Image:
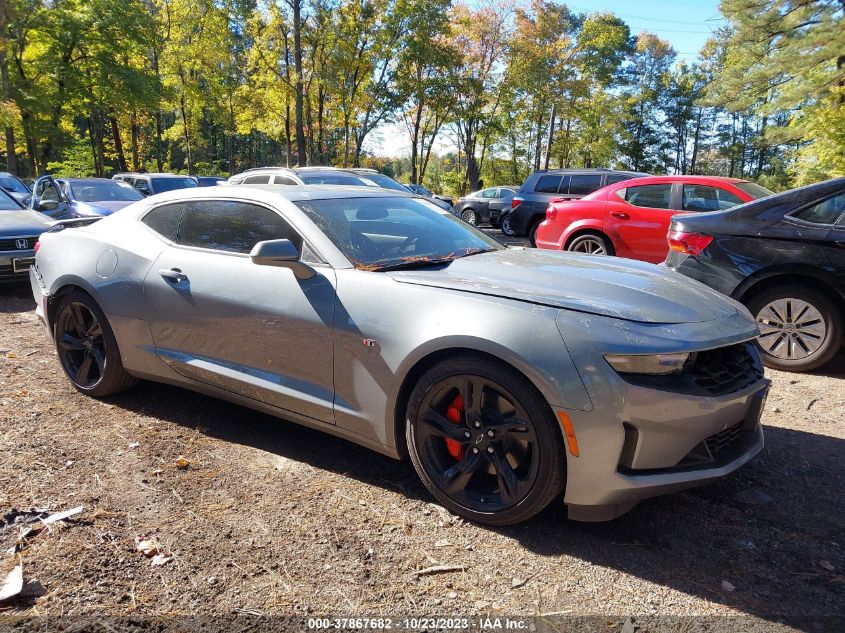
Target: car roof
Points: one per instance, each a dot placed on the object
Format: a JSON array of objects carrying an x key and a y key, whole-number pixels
[
  {"x": 153, "y": 175},
  {"x": 287, "y": 192},
  {"x": 700, "y": 180},
  {"x": 586, "y": 170}
]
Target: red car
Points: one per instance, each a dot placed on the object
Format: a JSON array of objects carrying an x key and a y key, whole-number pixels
[{"x": 631, "y": 218}]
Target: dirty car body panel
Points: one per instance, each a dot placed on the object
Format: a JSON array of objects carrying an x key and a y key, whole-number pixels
[{"x": 335, "y": 348}]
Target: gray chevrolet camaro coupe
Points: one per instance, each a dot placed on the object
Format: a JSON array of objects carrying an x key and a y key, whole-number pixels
[{"x": 355, "y": 311}]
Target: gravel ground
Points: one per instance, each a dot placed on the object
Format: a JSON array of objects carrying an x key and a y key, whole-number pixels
[{"x": 256, "y": 515}]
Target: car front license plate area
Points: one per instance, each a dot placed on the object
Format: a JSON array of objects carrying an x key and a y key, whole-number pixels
[{"x": 22, "y": 264}]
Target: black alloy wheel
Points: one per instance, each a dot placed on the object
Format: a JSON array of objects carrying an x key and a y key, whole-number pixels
[
  {"x": 487, "y": 452},
  {"x": 87, "y": 348}
]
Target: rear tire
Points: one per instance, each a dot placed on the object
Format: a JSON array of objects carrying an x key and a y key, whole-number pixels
[
  {"x": 506, "y": 228},
  {"x": 87, "y": 348},
  {"x": 484, "y": 442},
  {"x": 801, "y": 329},
  {"x": 532, "y": 234},
  {"x": 470, "y": 217},
  {"x": 590, "y": 243}
]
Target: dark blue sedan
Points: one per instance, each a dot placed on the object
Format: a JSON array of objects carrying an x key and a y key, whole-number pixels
[{"x": 62, "y": 198}]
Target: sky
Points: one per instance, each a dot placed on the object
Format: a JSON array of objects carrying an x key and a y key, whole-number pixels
[{"x": 685, "y": 24}]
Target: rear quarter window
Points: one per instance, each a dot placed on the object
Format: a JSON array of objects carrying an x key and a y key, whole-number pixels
[{"x": 165, "y": 220}]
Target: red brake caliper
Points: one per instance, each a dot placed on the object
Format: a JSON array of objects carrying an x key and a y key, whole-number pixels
[{"x": 455, "y": 414}]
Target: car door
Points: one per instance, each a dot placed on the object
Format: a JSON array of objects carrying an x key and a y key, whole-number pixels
[
  {"x": 47, "y": 197},
  {"x": 254, "y": 330},
  {"x": 501, "y": 202},
  {"x": 822, "y": 230},
  {"x": 638, "y": 220}
]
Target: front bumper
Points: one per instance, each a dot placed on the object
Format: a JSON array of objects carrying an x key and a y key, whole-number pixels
[
  {"x": 647, "y": 436},
  {"x": 715, "y": 438}
]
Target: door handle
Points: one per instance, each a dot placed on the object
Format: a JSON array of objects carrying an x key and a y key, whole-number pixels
[
  {"x": 173, "y": 275},
  {"x": 620, "y": 215}
]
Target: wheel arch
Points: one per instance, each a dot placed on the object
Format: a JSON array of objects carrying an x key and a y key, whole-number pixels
[
  {"x": 428, "y": 360},
  {"x": 63, "y": 286},
  {"x": 585, "y": 227},
  {"x": 805, "y": 276}
]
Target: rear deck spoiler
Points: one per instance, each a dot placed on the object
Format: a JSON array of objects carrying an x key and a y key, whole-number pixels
[{"x": 60, "y": 225}]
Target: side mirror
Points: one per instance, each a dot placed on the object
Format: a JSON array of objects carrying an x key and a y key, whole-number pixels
[
  {"x": 47, "y": 205},
  {"x": 281, "y": 253}
]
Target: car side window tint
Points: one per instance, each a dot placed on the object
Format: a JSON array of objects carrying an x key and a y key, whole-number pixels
[
  {"x": 707, "y": 198},
  {"x": 142, "y": 185},
  {"x": 826, "y": 212},
  {"x": 255, "y": 180},
  {"x": 612, "y": 179},
  {"x": 547, "y": 184},
  {"x": 233, "y": 226},
  {"x": 583, "y": 184},
  {"x": 488, "y": 193},
  {"x": 284, "y": 180},
  {"x": 649, "y": 196},
  {"x": 165, "y": 220}
]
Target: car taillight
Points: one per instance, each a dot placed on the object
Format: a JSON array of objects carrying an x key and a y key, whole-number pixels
[
  {"x": 688, "y": 243},
  {"x": 515, "y": 202},
  {"x": 37, "y": 246},
  {"x": 551, "y": 212}
]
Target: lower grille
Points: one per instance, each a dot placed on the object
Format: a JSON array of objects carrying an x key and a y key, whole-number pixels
[
  {"x": 17, "y": 243},
  {"x": 727, "y": 369},
  {"x": 724, "y": 439}
]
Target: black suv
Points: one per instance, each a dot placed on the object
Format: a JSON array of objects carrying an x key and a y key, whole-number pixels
[{"x": 528, "y": 207}]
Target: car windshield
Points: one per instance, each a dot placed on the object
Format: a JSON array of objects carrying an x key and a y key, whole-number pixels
[
  {"x": 7, "y": 203},
  {"x": 390, "y": 233},
  {"x": 103, "y": 191},
  {"x": 386, "y": 182},
  {"x": 336, "y": 179},
  {"x": 160, "y": 185},
  {"x": 753, "y": 189},
  {"x": 12, "y": 184}
]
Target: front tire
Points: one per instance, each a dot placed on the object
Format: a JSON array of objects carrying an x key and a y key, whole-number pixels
[
  {"x": 801, "y": 329},
  {"x": 87, "y": 348},
  {"x": 489, "y": 453}
]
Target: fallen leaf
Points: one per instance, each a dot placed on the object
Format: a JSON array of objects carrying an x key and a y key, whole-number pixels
[
  {"x": 160, "y": 559},
  {"x": 13, "y": 584},
  {"x": 442, "y": 543},
  {"x": 134, "y": 444},
  {"x": 727, "y": 586},
  {"x": 516, "y": 583},
  {"x": 182, "y": 463},
  {"x": 826, "y": 565}
]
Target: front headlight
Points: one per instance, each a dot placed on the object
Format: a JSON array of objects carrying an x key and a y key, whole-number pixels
[{"x": 658, "y": 364}]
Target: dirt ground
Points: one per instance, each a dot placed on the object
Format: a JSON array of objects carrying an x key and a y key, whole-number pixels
[{"x": 265, "y": 517}]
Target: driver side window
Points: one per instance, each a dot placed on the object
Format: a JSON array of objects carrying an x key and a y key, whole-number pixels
[
  {"x": 232, "y": 226},
  {"x": 50, "y": 193}
]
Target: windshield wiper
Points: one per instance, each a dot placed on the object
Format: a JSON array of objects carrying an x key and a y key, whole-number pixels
[{"x": 413, "y": 262}]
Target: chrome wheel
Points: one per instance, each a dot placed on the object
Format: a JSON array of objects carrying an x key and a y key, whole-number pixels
[
  {"x": 80, "y": 344},
  {"x": 588, "y": 244},
  {"x": 791, "y": 329},
  {"x": 469, "y": 217}
]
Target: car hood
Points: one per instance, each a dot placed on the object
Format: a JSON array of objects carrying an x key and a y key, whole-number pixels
[
  {"x": 606, "y": 286},
  {"x": 22, "y": 223},
  {"x": 102, "y": 207}
]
